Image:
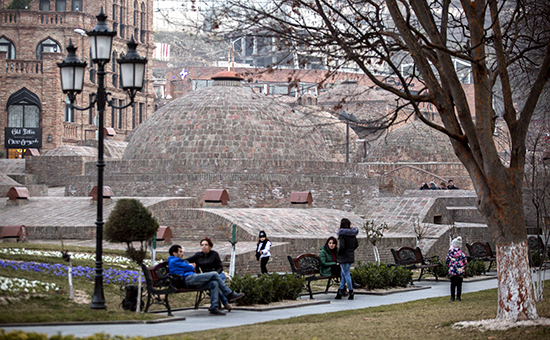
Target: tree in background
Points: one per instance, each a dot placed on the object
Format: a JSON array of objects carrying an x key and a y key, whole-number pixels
[
  {"x": 130, "y": 221},
  {"x": 424, "y": 42}
]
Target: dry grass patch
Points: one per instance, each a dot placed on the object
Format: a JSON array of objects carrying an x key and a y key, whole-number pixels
[{"x": 426, "y": 319}]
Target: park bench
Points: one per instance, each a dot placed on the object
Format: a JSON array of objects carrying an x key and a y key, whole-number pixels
[
  {"x": 481, "y": 251},
  {"x": 307, "y": 267},
  {"x": 411, "y": 258},
  {"x": 160, "y": 286},
  {"x": 536, "y": 244}
]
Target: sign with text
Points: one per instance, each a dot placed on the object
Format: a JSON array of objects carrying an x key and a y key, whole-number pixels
[{"x": 23, "y": 138}]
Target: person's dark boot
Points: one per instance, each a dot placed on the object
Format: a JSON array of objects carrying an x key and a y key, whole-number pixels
[
  {"x": 351, "y": 294},
  {"x": 339, "y": 295},
  {"x": 345, "y": 292},
  {"x": 234, "y": 296},
  {"x": 216, "y": 311}
]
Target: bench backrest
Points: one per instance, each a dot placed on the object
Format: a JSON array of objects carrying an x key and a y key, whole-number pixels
[
  {"x": 407, "y": 256},
  {"x": 305, "y": 264},
  {"x": 480, "y": 250},
  {"x": 535, "y": 243},
  {"x": 156, "y": 275}
]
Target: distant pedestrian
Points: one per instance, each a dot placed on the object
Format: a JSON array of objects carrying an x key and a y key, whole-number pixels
[
  {"x": 443, "y": 186},
  {"x": 456, "y": 261},
  {"x": 433, "y": 186},
  {"x": 424, "y": 186},
  {"x": 347, "y": 239},
  {"x": 451, "y": 185},
  {"x": 262, "y": 251}
]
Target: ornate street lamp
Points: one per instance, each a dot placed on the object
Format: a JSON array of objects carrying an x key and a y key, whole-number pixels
[{"x": 72, "y": 78}]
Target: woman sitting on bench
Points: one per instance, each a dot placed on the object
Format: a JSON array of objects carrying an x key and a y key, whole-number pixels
[
  {"x": 328, "y": 257},
  {"x": 208, "y": 260}
]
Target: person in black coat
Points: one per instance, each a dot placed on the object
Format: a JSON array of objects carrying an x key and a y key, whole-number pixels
[
  {"x": 347, "y": 240},
  {"x": 208, "y": 260}
]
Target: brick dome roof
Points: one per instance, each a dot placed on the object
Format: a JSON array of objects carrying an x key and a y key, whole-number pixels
[
  {"x": 412, "y": 142},
  {"x": 226, "y": 121}
]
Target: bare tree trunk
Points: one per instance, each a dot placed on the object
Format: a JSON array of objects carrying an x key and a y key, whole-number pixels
[{"x": 515, "y": 292}]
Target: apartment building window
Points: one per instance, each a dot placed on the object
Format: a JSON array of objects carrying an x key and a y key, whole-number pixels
[
  {"x": 113, "y": 67},
  {"x": 91, "y": 110},
  {"x": 120, "y": 111},
  {"x": 142, "y": 23},
  {"x": 7, "y": 46},
  {"x": 136, "y": 13},
  {"x": 112, "y": 117},
  {"x": 60, "y": 5},
  {"x": 47, "y": 45},
  {"x": 44, "y": 5},
  {"x": 77, "y": 5},
  {"x": 141, "y": 106}
]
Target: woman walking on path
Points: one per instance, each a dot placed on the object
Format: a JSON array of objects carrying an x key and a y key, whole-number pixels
[
  {"x": 347, "y": 237},
  {"x": 262, "y": 251},
  {"x": 456, "y": 261}
]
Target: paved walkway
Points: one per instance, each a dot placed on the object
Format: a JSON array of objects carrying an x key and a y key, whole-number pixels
[{"x": 199, "y": 320}]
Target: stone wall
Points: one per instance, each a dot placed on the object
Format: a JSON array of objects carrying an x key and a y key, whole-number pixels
[
  {"x": 249, "y": 183},
  {"x": 55, "y": 171}
]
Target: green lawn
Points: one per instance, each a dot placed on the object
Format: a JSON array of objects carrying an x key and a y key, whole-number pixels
[{"x": 425, "y": 319}]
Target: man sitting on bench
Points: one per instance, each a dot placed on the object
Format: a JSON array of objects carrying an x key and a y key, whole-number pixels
[{"x": 190, "y": 279}]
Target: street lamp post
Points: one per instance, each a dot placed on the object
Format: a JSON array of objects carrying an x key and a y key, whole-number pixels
[
  {"x": 347, "y": 118},
  {"x": 132, "y": 68}
]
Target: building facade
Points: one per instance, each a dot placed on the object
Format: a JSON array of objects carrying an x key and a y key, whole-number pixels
[{"x": 33, "y": 110}]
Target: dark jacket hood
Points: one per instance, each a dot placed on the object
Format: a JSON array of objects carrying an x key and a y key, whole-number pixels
[{"x": 347, "y": 232}]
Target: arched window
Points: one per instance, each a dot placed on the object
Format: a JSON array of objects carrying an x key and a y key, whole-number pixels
[
  {"x": 69, "y": 111},
  {"x": 77, "y": 5},
  {"x": 142, "y": 24},
  {"x": 6, "y": 45},
  {"x": 44, "y": 5},
  {"x": 142, "y": 18},
  {"x": 60, "y": 5},
  {"x": 47, "y": 45},
  {"x": 24, "y": 109},
  {"x": 136, "y": 13},
  {"x": 114, "y": 65}
]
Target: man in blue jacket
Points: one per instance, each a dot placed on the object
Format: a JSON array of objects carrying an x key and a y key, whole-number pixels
[{"x": 211, "y": 280}]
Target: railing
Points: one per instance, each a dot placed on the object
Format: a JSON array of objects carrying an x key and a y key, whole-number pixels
[
  {"x": 24, "y": 66},
  {"x": 8, "y": 17},
  {"x": 51, "y": 18},
  {"x": 70, "y": 130},
  {"x": 46, "y": 18}
]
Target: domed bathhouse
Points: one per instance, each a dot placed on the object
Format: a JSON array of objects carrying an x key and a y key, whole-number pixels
[{"x": 225, "y": 156}]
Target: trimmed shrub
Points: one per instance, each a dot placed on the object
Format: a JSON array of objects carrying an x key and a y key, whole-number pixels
[
  {"x": 266, "y": 288},
  {"x": 475, "y": 268},
  {"x": 439, "y": 271},
  {"x": 131, "y": 221},
  {"x": 380, "y": 276}
]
